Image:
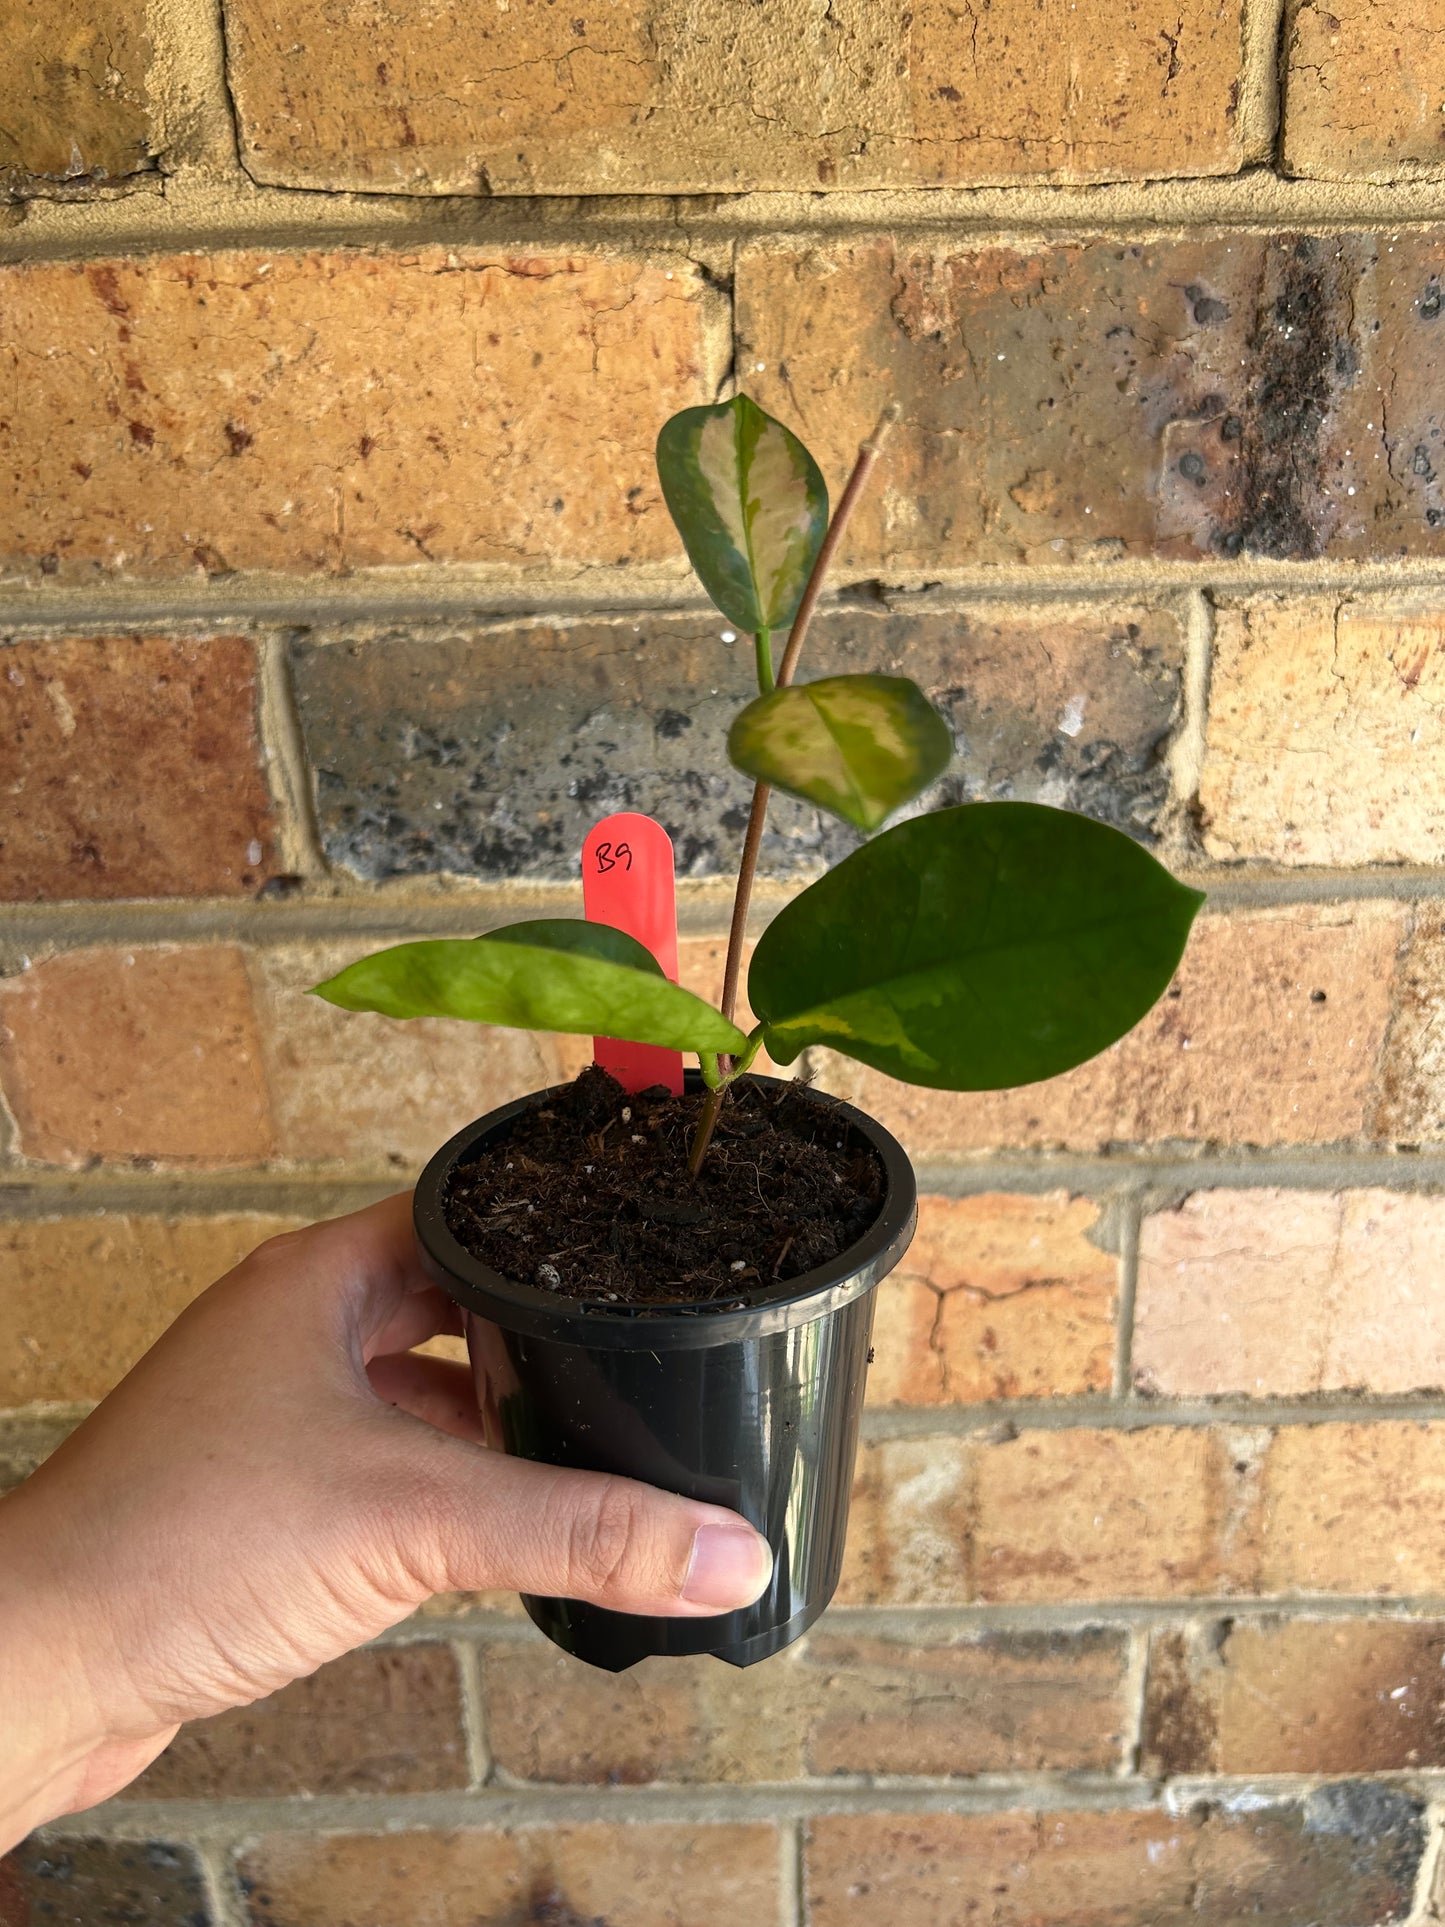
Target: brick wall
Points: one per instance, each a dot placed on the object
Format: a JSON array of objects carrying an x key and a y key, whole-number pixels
[{"x": 337, "y": 598}]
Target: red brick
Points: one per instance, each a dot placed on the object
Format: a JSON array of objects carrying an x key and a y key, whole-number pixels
[
  {"x": 1297, "y": 1696},
  {"x": 1354, "y": 1508},
  {"x": 1411, "y": 1105},
  {"x": 1076, "y": 1514},
  {"x": 993, "y": 1703},
  {"x": 1080, "y": 1514},
  {"x": 1275, "y": 1292},
  {"x": 135, "y": 1054},
  {"x": 1324, "y": 736},
  {"x": 330, "y": 412},
  {"x": 1344, "y": 1853},
  {"x": 377, "y": 1721},
  {"x": 999, "y": 1296},
  {"x": 646, "y": 97},
  {"x": 1244, "y": 1053},
  {"x": 82, "y": 1298},
  {"x": 647, "y": 1876},
  {"x": 354, "y": 1087},
  {"x": 1086, "y": 402},
  {"x": 664, "y": 1720},
  {"x": 133, "y": 769},
  {"x": 74, "y": 106},
  {"x": 1362, "y": 95}
]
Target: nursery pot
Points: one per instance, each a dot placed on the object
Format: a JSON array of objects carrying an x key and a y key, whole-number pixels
[{"x": 756, "y": 1409}]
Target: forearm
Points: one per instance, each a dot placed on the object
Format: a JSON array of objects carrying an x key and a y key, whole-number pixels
[{"x": 56, "y": 1752}]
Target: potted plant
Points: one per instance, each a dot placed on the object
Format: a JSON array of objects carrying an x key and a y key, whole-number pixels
[{"x": 680, "y": 1288}]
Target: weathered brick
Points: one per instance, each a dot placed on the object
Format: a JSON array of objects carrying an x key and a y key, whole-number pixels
[
  {"x": 135, "y": 1054},
  {"x": 1324, "y": 737},
  {"x": 1354, "y": 1508},
  {"x": 1411, "y": 1105},
  {"x": 354, "y": 1087},
  {"x": 648, "y": 97},
  {"x": 1270, "y": 1034},
  {"x": 1157, "y": 1513},
  {"x": 1286, "y": 1292},
  {"x": 377, "y": 1721},
  {"x": 1221, "y": 395},
  {"x": 332, "y": 412},
  {"x": 1297, "y": 1696},
  {"x": 667, "y": 1719},
  {"x": 648, "y": 1876},
  {"x": 132, "y": 768},
  {"x": 26, "y": 1440},
  {"x": 1345, "y": 1853},
  {"x": 1363, "y": 99},
  {"x": 120, "y": 1883},
  {"x": 989, "y": 1703},
  {"x": 491, "y": 752},
  {"x": 74, "y": 106},
  {"x": 81, "y": 1298},
  {"x": 999, "y": 1296}
]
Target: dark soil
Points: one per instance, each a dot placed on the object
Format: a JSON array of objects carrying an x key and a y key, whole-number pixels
[{"x": 590, "y": 1195}]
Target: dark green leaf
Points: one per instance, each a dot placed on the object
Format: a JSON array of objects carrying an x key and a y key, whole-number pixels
[
  {"x": 974, "y": 949},
  {"x": 554, "y": 978},
  {"x": 860, "y": 746},
  {"x": 750, "y": 505}
]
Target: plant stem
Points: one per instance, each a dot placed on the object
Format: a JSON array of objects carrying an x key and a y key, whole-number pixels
[
  {"x": 763, "y": 644},
  {"x": 868, "y": 453}
]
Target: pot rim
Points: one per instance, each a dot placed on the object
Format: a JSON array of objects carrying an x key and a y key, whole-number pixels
[{"x": 535, "y": 1312}]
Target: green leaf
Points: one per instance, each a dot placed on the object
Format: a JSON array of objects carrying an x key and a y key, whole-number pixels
[
  {"x": 860, "y": 746},
  {"x": 975, "y": 949},
  {"x": 548, "y": 975},
  {"x": 750, "y": 505}
]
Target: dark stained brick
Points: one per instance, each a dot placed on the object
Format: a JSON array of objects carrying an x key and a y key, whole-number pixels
[
  {"x": 492, "y": 752},
  {"x": 1230, "y": 394},
  {"x": 101, "y": 1883}
]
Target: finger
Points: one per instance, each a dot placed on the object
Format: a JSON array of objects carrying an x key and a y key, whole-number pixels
[
  {"x": 475, "y": 1520},
  {"x": 354, "y": 1273},
  {"x": 422, "y": 1314},
  {"x": 435, "y": 1390}
]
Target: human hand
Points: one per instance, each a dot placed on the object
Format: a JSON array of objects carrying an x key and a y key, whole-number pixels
[{"x": 279, "y": 1479}]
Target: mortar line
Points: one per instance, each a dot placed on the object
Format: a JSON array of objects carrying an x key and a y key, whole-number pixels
[
  {"x": 1422, "y": 1912},
  {"x": 196, "y": 210},
  {"x": 1261, "y": 80},
  {"x": 914, "y": 1625},
  {"x": 1134, "y": 1689},
  {"x": 539, "y": 1806},
  {"x": 1186, "y": 752},
  {"x": 485, "y": 595},
  {"x": 474, "y": 1717},
  {"x": 219, "y": 1884},
  {"x": 30, "y": 1191},
  {"x": 465, "y": 906},
  {"x": 792, "y": 1894},
  {"x": 1132, "y": 1215},
  {"x": 287, "y": 766},
  {"x": 882, "y": 1423},
  {"x": 187, "y": 76}
]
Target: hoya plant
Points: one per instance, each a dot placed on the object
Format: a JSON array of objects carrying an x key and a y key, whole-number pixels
[{"x": 970, "y": 948}]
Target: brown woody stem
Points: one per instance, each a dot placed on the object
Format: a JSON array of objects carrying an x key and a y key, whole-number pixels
[{"x": 868, "y": 453}]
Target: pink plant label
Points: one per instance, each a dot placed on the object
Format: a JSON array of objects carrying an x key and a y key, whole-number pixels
[{"x": 627, "y": 881}]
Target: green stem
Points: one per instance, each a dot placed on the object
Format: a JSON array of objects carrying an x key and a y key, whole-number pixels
[
  {"x": 763, "y": 644},
  {"x": 716, "y": 1092}
]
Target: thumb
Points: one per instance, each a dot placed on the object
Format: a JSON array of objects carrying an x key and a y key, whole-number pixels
[{"x": 487, "y": 1521}]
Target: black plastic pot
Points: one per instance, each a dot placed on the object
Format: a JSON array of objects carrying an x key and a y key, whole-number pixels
[{"x": 756, "y": 1409}]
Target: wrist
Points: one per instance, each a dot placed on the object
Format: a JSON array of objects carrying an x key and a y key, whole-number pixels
[{"x": 60, "y": 1747}]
